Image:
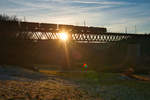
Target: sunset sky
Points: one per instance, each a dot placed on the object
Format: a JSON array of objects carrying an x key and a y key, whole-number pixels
[{"x": 112, "y": 14}]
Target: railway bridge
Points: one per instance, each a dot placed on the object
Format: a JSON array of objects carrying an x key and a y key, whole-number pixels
[
  {"x": 44, "y": 43},
  {"x": 45, "y": 31}
]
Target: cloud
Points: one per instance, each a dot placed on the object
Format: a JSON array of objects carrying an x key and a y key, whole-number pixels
[
  {"x": 33, "y": 4},
  {"x": 102, "y": 2},
  {"x": 113, "y": 14},
  {"x": 63, "y": 3}
]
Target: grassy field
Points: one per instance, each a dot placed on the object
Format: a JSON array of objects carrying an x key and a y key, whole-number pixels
[{"x": 108, "y": 86}]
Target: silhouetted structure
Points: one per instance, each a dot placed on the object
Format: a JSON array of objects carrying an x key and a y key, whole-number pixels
[
  {"x": 27, "y": 43},
  {"x": 43, "y": 31}
]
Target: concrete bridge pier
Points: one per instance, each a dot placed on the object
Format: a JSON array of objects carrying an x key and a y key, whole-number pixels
[{"x": 133, "y": 55}]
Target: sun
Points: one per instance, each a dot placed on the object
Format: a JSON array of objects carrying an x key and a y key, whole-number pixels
[{"x": 63, "y": 36}]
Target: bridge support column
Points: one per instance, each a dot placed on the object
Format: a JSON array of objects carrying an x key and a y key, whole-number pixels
[
  {"x": 133, "y": 54},
  {"x": 65, "y": 59}
]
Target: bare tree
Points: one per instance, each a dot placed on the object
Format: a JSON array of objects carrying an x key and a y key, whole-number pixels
[{"x": 4, "y": 17}]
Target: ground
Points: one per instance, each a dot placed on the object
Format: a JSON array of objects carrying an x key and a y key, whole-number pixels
[{"x": 22, "y": 84}]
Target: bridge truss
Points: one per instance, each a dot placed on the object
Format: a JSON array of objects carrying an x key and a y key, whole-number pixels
[{"x": 44, "y": 31}]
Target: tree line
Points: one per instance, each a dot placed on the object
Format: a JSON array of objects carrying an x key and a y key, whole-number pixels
[{"x": 4, "y": 17}]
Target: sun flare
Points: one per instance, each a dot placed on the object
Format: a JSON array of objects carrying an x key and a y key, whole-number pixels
[{"x": 63, "y": 36}]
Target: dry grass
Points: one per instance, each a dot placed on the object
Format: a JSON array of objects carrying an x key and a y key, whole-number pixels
[
  {"x": 48, "y": 72},
  {"x": 110, "y": 86}
]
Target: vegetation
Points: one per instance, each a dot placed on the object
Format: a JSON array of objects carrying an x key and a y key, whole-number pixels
[
  {"x": 4, "y": 17},
  {"x": 108, "y": 86}
]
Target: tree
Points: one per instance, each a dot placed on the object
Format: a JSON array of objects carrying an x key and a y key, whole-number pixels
[{"x": 4, "y": 17}]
